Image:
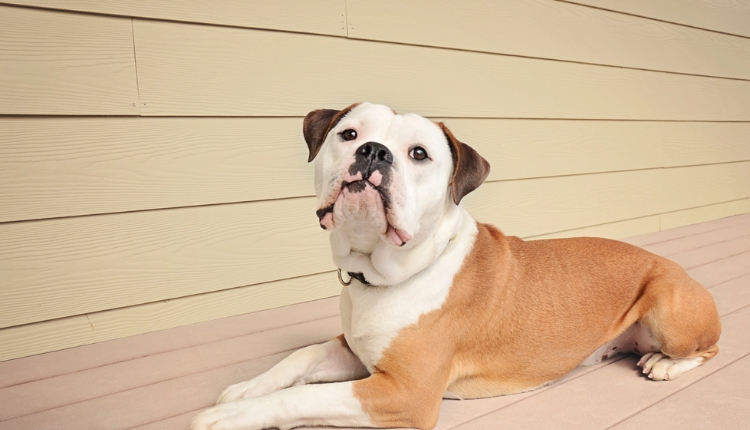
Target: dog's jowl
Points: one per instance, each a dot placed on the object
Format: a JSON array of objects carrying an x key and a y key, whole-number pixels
[{"x": 437, "y": 305}]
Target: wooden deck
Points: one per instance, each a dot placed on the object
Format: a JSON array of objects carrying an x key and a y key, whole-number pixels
[{"x": 160, "y": 380}]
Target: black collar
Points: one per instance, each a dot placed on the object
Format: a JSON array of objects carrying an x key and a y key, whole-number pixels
[{"x": 359, "y": 276}]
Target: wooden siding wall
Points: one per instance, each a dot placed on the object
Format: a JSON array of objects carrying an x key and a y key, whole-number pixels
[{"x": 152, "y": 167}]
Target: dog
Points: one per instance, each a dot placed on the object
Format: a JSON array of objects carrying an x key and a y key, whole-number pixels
[{"x": 436, "y": 305}]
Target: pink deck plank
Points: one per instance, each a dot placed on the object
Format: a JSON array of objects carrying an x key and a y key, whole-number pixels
[
  {"x": 714, "y": 252},
  {"x": 142, "y": 405},
  {"x": 674, "y": 246},
  {"x": 88, "y": 384},
  {"x": 720, "y": 402},
  {"x": 56, "y": 363},
  {"x": 181, "y": 421},
  {"x": 688, "y": 230},
  {"x": 721, "y": 271},
  {"x": 732, "y": 295},
  {"x": 148, "y": 403}
]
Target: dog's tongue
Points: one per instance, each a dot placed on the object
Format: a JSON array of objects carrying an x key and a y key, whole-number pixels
[{"x": 398, "y": 236}]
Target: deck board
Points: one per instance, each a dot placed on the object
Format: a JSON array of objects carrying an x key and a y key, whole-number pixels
[
  {"x": 161, "y": 380},
  {"x": 696, "y": 406}
]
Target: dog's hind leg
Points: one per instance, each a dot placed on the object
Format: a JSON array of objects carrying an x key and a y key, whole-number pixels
[{"x": 683, "y": 319}]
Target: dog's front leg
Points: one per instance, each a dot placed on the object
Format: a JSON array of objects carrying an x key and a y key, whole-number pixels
[
  {"x": 332, "y": 361},
  {"x": 381, "y": 400}
]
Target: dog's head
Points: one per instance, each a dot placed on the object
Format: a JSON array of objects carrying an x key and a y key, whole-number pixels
[{"x": 384, "y": 179}]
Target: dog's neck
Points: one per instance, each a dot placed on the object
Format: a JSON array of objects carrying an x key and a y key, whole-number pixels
[{"x": 386, "y": 264}]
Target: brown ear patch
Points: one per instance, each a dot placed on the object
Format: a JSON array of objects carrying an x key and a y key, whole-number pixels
[
  {"x": 469, "y": 168},
  {"x": 316, "y": 126}
]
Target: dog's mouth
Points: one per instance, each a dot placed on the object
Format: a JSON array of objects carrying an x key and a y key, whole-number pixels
[{"x": 397, "y": 236}]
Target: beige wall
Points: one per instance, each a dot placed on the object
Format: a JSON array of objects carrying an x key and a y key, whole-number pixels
[{"x": 152, "y": 167}]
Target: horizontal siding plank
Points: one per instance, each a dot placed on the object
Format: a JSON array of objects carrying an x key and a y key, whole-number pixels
[
  {"x": 537, "y": 206},
  {"x": 55, "y": 167},
  {"x": 550, "y": 29},
  {"x": 519, "y": 149},
  {"x": 690, "y": 187},
  {"x": 729, "y": 16},
  {"x": 320, "y": 16},
  {"x": 90, "y": 264},
  {"x": 704, "y": 143},
  {"x": 61, "y": 267},
  {"x": 194, "y": 70},
  {"x": 59, "y": 63}
]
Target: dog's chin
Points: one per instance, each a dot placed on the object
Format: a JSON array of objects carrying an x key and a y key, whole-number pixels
[{"x": 360, "y": 207}]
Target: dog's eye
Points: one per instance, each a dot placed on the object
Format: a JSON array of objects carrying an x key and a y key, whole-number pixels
[
  {"x": 348, "y": 134},
  {"x": 418, "y": 153}
]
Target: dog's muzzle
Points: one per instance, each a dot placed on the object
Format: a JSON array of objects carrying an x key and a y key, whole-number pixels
[{"x": 374, "y": 162}]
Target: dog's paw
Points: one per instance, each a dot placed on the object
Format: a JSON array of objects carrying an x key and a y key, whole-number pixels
[
  {"x": 244, "y": 390},
  {"x": 242, "y": 414},
  {"x": 659, "y": 367}
]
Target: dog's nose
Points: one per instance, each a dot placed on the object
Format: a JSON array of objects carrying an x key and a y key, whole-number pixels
[{"x": 375, "y": 152}]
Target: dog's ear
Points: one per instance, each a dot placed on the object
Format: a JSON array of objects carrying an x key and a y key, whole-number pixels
[
  {"x": 316, "y": 126},
  {"x": 469, "y": 168}
]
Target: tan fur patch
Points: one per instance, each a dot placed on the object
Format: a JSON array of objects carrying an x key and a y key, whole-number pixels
[{"x": 522, "y": 314}]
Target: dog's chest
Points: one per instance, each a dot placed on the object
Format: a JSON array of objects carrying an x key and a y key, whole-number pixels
[{"x": 373, "y": 316}]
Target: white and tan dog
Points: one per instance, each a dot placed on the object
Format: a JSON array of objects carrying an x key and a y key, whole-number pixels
[{"x": 440, "y": 306}]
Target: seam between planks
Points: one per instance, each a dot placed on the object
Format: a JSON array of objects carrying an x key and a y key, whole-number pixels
[
  {"x": 614, "y": 66},
  {"x": 706, "y": 246},
  {"x": 712, "y": 244},
  {"x": 652, "y": 18},
  {"x": 194, "y": 411},
  {"x": 557, "y": 60},
  {"x": 157, "y": 382},
  {"x": 718, "y": 259},
  {"x": 172, "y": 350},
  {"x": 727, "y": 281}
]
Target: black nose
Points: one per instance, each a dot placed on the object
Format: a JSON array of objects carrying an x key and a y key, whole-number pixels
[{"x": 375, "y": 152}]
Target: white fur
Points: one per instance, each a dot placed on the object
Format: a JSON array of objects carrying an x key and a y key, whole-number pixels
[
  {"x": 659, "y": 367},
  {"x": 305, "y": 405},
  {"x": 419, "y": 192},
  {"x": 267, "y": 401},
  {"x": 372, "y": 316}
]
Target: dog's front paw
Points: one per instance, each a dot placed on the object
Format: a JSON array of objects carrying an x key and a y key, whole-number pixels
[
  {"x": 244, "y": 390},
  {"x": 242, "y": 414},
  {"x": 659, "y": 367}
]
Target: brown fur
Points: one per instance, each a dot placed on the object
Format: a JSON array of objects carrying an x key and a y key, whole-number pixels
[
  {"x": 522, "y": 314},
  {"x": 316, "y": 126},
  {"x": 469, "y": 168}
]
